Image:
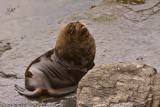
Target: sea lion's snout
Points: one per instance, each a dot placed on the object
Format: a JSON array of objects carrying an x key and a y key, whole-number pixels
[
  {"x": 77, "y": 29},
  {"x": 80, "y": 28}
]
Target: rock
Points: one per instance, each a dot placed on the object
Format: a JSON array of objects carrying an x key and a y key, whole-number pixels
[
  {"x": 120, "y": 85},
  {"x": 4, "y": 46},
  {"x": 145, "y": 6},
  {"x": 133, "y": 2}
]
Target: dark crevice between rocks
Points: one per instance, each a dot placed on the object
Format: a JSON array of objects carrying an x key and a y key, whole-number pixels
[
  {"x": 3, "y": 75},
  {"x": 133, "y": 103},
  {"x": 4, "y": 46}
]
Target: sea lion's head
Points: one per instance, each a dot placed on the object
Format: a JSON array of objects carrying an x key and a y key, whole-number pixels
[
  {"x": 74, "y": 32},
  {"x": 75, "y": 44}
]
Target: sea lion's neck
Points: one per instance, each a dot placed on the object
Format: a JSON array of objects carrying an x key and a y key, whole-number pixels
[{"x": 67, "y": 65}]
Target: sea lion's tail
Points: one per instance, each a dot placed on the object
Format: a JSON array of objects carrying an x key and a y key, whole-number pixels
[{"x": 51, "y": 92}]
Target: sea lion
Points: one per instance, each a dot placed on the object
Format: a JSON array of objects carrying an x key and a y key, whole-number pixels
[{"x": 58, "y": 71}]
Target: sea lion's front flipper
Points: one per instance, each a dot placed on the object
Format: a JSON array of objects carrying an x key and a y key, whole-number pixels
[
  {"x": 62, "y": 91},
  {"x": 25, "y": 92}
]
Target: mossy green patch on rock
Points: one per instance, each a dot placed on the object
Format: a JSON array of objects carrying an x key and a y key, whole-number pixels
[
  {"x": 131, "y": 1},
  {"x": 84, "y": 15},
  {"x": 104, "y": 18}
]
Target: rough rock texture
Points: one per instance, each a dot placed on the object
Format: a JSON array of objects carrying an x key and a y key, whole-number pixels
[
  {"x": 120, "y": 85},
  {"x": 4, "y": 46}
]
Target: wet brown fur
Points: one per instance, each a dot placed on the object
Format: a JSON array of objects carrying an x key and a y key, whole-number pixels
[{"x": 75, "y": 45}]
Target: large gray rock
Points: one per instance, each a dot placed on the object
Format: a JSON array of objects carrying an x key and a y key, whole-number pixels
[{"x": 120, "y": 85}]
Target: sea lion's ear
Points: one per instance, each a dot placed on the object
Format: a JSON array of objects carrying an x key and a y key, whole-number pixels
[{"x": 71, "y": 30}]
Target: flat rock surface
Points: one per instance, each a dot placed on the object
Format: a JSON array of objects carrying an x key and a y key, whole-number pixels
[{"x": 121, "y": 35}]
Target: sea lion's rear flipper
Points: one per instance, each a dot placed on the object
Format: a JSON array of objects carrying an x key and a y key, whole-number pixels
[
  {"x": 28, "y": 93},
  {"x": 50, "y": 92},
  {"x": 62, "y": 91}
]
